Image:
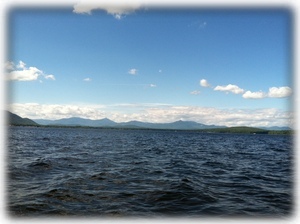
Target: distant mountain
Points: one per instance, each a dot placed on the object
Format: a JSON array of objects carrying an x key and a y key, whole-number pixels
[
  {"x": 43, "y": 121},
  {"x": 77, "y": 121},
  {"x": 190, "y": 125},
  {"x": 14, "y": 119}
]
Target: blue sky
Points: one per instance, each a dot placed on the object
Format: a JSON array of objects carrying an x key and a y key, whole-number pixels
[{"x": 147, "y": 64}]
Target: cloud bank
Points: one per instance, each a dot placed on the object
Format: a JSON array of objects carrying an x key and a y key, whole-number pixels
[
  {"x": 20, "y": 72},
  {"x": 157, "y": 113},
  {"x": 118, "y": 9}
]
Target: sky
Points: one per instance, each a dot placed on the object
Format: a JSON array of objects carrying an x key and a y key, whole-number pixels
[{"x": 217, "y": 66}]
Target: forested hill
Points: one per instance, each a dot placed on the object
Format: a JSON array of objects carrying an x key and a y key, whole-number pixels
[{"x": 13, "y": 119}]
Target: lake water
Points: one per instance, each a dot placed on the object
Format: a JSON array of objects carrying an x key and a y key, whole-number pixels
[{"x": 147, "y": 173}]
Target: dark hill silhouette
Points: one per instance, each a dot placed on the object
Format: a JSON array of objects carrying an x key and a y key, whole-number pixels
[{"x": 14, "y": 119}]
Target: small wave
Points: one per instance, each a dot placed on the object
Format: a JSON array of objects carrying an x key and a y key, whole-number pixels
[
  {"x": 170, "y": 173},
  {"x": 41, "y": 163},
  {"x": 99, "y": 176}
]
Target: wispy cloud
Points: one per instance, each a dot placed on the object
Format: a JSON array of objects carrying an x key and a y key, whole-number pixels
[
  {"x": 87, "y": 79},
  {"x": 158, "y": 113},
  {"x": 20, "y": 72},
  {"x": 50, "y": 77},
  {"x": 153, "y": 85},
  {"x": 133, "y": 71},
  {"x": 198, "y": 24},
  {"x": 229, "y": 88},
  {"x": 195, "y": 92},
  {"x": 9, "y": 65},
  {"x": 118, "y": 9}
]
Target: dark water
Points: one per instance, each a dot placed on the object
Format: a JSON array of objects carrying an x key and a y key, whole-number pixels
[{"x": 147, "y": 173}]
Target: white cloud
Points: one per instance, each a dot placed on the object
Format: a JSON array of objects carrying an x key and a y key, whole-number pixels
[
  {"x": 153, "y": 85},
  {"x": 56, "y": 111},
  {"x": 274, "y": 92},
  {"x": 195, "y": 92},
  {"x": 30, "y": 74},
  {"x": 87, "y": 79},
  {"x": 158, "y": 113},
  {"x": 204, "y": 83},
  {"x": 49, "y": 77},
  {"x": 254, "y": 95},
  {"x": 133, "y": 71},
  {"x": 21, "y": 65},
  {"x": 21, "y": 73},
  {"x": 117, "y": 8},
  {"x": 230, "y": 88},
  {"x": 279, "y": 92}
]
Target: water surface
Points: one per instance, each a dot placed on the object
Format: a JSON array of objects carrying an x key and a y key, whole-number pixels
[{"x": 147, "y": 173}]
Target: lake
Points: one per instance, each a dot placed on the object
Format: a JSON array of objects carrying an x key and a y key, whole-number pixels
[{"x": 90, "y": 172}]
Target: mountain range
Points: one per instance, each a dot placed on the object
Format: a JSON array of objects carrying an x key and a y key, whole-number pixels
[
  {"x": 105, "y": 122},
  {"x": 14, "y": 119}
]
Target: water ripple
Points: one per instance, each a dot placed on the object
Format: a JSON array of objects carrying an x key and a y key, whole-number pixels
[{"x": 117, "y": 173}]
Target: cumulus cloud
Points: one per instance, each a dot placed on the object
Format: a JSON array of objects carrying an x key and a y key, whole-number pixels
[
  {"x": 117, "y": 8},
  {"x": 20, "y": 72},
  {"x": 153, "y": 85},
  {"x": 30, "y": 74},
  {"x": 87, "y": 79},
  {"x": 229, "y": 88},
  {"x": 133, "y": 71},
  {"x": 279, "y": 92},
  {"x": 274, "y": 92},
  {"x": 159, "y": 113},
  {"x": 204, "y": 83},
  {"x": 254, "y": 95}
]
